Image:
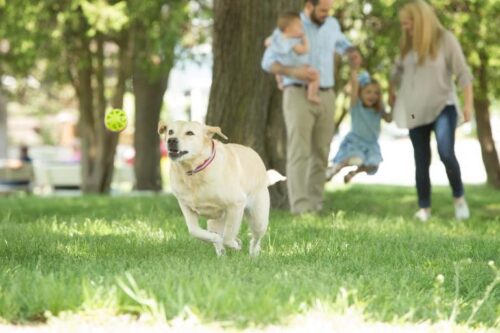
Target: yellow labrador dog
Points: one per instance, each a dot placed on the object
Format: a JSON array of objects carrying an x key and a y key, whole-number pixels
[{"x": 218, "y": 181}]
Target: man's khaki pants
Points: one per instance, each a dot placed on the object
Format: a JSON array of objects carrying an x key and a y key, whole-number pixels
[{"x": 309, "y": 129}]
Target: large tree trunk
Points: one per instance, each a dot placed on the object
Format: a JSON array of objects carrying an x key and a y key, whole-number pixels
[
  {"x": 244, "y": 100},
  {"x": 3, "y": 126},
  {"x": 484, "y": 132}
]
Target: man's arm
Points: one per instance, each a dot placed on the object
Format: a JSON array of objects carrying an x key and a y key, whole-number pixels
[
  {"x": 270, "y": 64},
  {"x": 300, "y": 73},
  {"x": 343, "y": 45},
  {"x": 303, "y": 46}
]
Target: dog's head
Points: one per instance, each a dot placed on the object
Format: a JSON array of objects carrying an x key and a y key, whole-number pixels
[{"x": 187, "y": 139}]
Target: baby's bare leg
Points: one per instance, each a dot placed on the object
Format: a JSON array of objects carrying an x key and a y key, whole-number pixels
[
  {"x": 313, "y": 88},
  {"x": 279, "y": 82}
]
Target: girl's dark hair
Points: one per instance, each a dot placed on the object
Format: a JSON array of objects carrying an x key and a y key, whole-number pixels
[{"x": 379, "y": 106}]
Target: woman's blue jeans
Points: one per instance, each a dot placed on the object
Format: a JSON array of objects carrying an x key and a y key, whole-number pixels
[{"x": 444, "y": 129}]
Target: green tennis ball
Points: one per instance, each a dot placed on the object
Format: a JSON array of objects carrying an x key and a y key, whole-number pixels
[{"x": 115, "y": 120}]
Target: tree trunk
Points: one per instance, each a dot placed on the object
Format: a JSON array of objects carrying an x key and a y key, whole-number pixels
[
  {"x": 150, "y": 81},
  {"x": 484, "y": 132},
  {"x": 83, "y": 86},
  {"x": 98, "y": 144},
  {"x": 244, "y": 100},
  {"x": 3, "y": 127},
  {"x": 148, "y": 101}
]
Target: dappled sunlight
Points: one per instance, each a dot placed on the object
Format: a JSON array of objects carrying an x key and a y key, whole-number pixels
[
  {"x": 494, "y": 209},
  {"x": 93, "y": 239},
  {"x": 296, "y": 249},
  {"x": 401, "y": 201},
  {"x": 100, "y": 227},
  {"x": 365, "y": 240}
]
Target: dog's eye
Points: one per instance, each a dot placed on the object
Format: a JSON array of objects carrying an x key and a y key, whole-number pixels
[
  {"x": 189, "y": 133},
  {"x": 170, "y": 132}
]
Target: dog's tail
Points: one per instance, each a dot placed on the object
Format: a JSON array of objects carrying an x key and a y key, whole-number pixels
[{"x": 274, "y": 176}]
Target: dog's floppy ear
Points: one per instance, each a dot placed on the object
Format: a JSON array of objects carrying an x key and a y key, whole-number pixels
[
  {"x": 162, "y": 127},
  {"x": 211, "y": 130}
]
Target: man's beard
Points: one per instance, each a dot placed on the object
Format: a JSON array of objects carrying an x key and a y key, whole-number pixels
[{"x": 315, "y": 19}]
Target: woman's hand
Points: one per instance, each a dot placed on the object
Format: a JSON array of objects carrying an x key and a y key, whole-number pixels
[
  {"x": 392, "y": 99},
  {"x": 467, "y": 109},
  {"x": 468, "y": 102}
]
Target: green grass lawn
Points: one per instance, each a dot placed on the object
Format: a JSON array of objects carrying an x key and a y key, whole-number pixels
[{"x": 134, "y": 255}]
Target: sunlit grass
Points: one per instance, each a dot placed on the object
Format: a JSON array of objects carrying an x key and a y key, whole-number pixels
[{"x": 134, "y": 255}]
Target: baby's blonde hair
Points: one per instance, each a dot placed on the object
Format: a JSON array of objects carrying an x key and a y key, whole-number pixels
[
  {"x": 427, "y": 30},
  {"x": 285, "y": 19}
]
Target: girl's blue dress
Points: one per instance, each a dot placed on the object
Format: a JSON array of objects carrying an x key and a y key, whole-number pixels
[{"x": 362, "y": 140}]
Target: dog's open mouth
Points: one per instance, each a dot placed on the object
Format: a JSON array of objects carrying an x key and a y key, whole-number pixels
[{"x": 175, "y": 154}]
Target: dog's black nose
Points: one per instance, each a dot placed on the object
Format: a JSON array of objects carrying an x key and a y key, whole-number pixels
[{"x": 173, "y": 142}]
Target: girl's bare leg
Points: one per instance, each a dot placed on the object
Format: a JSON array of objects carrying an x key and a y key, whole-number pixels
[
  {"x": 359, "y": 169},
  {"x": 334, "y": 169}
]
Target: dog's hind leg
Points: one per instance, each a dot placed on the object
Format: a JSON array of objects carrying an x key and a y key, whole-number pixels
[
  {"x": 258, "y": 215},
  {"x": 217, "y": 226}
]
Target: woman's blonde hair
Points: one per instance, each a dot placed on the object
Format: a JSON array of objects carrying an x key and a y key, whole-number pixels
[{"x": 427, "y": 30}]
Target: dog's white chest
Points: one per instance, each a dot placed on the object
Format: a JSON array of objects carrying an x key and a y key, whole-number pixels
[
  {"x": 207, "y": 211},
  {"x": 203, "y": 203}
]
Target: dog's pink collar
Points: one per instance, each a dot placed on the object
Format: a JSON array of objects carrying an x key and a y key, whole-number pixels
[{"x": 204, "y": 164}]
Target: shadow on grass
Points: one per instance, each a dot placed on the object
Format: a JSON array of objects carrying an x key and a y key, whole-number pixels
[
  {"x": 396, "y": 201},
  {"x": 373, "y": 248},
  {"x": 28, "y": 209}
]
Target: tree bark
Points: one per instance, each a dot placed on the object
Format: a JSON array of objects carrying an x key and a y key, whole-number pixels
[
  {"x": 107, "y": 140},
  {"x": 244, "y": 100},
  {"x": 148, "y": 102},
  {"x": 484, "y": 132}
]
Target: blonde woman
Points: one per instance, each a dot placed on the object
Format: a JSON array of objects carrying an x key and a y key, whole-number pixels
[{"x": 426, "y": 100}]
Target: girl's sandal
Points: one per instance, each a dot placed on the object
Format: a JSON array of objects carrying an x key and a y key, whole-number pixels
[{"x": 349, "y": 176}]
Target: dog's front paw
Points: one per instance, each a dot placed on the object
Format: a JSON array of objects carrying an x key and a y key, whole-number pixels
[
  {"x": 220, "y": 250},
  {"x": 234, "y": 244},
  {"x": 219, "y": 246}
]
